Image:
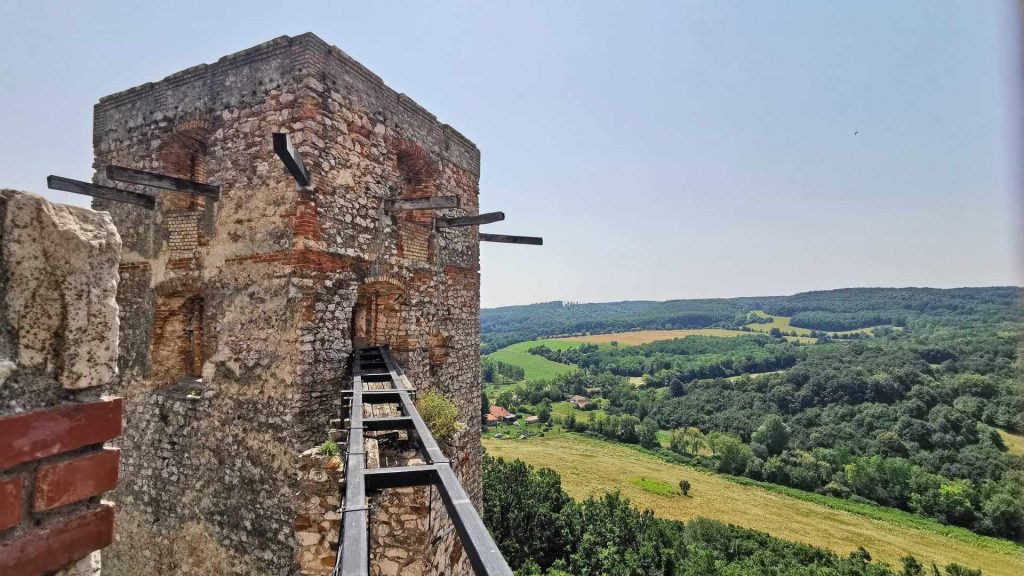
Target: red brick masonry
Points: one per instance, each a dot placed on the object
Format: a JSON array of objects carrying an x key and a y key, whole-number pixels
[
  {"x": 72, "y": 480},
  {"x": 43, "y": 433},
  {"x": 57, "y": 545},
  {"x": 53, "y": 466}
]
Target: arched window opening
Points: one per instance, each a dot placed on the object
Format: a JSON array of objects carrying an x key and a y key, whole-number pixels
[
  {"x": 177, "y": 347},
  {"x": 376, "y": 317}
]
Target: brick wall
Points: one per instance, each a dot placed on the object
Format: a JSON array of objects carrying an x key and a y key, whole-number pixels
[
  {"x": 58, "y": 345},
  {"x": 283, "y": 274}
]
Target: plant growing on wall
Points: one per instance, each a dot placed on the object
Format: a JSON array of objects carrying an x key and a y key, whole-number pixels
[
  {"x": 439, "y": 413},
  {"x": 329, "y": 448}
]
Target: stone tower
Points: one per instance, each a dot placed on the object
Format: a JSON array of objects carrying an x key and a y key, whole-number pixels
[{"x": 238, "y": 315}]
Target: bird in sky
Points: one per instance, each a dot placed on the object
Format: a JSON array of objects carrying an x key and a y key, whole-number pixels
[{"x": 856, "y": 132}]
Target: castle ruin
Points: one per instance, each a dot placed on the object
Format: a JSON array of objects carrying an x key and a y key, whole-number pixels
[{"x": 240, "y": 311}]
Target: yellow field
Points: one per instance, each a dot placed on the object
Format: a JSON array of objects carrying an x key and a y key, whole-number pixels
[
  {"x": 1014, "y": 442},
  {"x": 590, "y": 467},
  {"x": 782, "y": 323},
  {"x": 648, "y": 336}
]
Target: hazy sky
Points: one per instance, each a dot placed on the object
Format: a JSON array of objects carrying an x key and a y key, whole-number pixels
[{"x": 663, "y": 149}]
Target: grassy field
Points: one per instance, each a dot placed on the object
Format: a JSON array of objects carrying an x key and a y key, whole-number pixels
[
  {"x": 536, "y": 367},
  {"x": 564, "y": 409},
  {"x": 648, "y": 336},
  {"x": 782, "y": 323},
  {"x": 590, "y": 467},
  {"x": 1014, "y": 442}
]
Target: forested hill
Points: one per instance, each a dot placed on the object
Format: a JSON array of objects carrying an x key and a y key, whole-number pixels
[{"x": 825, "y": 310}]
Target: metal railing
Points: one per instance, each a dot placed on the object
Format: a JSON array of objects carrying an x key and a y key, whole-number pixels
[{"x": 376, "y": 365}]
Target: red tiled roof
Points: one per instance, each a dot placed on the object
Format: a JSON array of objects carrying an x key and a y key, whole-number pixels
[{"x": 498, "y": 412}]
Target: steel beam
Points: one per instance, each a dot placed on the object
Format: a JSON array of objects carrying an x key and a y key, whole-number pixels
[
  {"x": 533, "y": 240},
  {"x": 477, "y": 220},
  {"x": 400, "y": 477},
  {"x": 292, "y": 159},
  {"x": 392, "y": 423},
  {"x": 97, "y": 191},
  {"x": 144, "y": 178}
]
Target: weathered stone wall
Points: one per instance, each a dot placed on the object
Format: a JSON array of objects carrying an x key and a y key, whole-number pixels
[
  {"x": 238, "y": 314},
  {"x": 404, "y": 521},
  {"x": 58, "y": 346}
]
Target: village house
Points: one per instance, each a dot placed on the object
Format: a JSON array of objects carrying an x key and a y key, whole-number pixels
[
  {"x": 581, "y": 402},
  {"x": 500, "y": 415}
]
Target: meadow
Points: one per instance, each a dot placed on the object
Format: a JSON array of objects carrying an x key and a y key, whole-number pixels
[
  {"x": 782, "y": 323},
  {"x": 1014, "y": 442},
  {"x": 536, "y": 367},
  {"x": 591, "y": 467},
  {"x": 647, "y": 336}
]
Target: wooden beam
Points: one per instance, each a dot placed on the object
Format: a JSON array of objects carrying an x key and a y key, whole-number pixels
[
  {"x": 485, "y": 218},
  {"x": 97, "y": 191},
  {"x": 533, "y": 240},
  {"x": 432, "y": 203},
  {"x": 132, "y": 176},
  {"x": 292, "y": 159}
]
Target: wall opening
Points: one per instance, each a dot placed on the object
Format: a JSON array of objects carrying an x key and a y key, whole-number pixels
[
  {"x": 183, "y": 155},
  {"x": 177, "y": 346},
  {"x": 376, "y": 317}
]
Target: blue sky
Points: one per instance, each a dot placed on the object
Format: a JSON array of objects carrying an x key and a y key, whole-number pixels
[{"x": 663, "y": 149}]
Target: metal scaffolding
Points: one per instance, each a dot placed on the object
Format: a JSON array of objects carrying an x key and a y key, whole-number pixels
[{"x": 375, "y": 365}]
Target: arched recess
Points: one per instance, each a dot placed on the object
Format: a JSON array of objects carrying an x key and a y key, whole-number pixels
[
  {"x": 177, "y": 346},
  {"x": 377, "y": 314},
  {"x": 183, "y": 154}
]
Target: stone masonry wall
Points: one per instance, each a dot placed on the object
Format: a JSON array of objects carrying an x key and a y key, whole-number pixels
[
  {"x": 58, "y": 347},
  {"x": 238, "y": 314}
]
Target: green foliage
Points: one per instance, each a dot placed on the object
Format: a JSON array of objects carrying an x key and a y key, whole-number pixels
[
  {"x": 773, "y": 434},
  {"x": 654, "y": 486},
  {"x": 906, "y": 418},
  {"x": 440, "y": 413},
  {"x": 541, "y": 531},
  {"x": 684, "y": 487},
  {"x": 500, "y": 327},
  {"x": 329, "y": 448},
  {"x": 496, "y": 371}
]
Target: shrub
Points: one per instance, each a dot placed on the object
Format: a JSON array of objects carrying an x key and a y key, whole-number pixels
[
  {"x": 439, "y": 413},
  {"x": 329, "y": 448}
]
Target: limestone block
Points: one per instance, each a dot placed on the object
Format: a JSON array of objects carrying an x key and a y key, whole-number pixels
[{"x": 61, "y": 269}]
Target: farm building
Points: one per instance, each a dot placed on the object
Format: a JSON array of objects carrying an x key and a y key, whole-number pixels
[
  {"x": 581, "y": 402},
  {"x": 501, "y": 414}
]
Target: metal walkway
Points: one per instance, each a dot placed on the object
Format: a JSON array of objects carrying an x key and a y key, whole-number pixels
[{"x": 377, "y": 379}]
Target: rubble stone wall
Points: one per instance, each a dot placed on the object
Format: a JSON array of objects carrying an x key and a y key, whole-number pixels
[
  {"x": 238, "y": 313},
  {"x": 58, "y": 347}
]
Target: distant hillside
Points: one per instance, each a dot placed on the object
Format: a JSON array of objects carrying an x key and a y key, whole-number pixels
[{"x": 825, "y": 310}]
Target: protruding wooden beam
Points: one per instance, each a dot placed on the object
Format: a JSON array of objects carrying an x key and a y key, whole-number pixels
[
  {"x": 477, "y": 220},
  {"x": 532, "y": 240},
  {"x": 291, "y": 158},
  {"x": 132, "y": 176},
  {"x": 97, "y": 191},
  {"x": 432, "y": 203}
]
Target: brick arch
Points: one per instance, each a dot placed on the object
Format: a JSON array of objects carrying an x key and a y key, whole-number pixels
[
  {"x": 183, "y": 153},
  {"x": 377, "y": 314}
]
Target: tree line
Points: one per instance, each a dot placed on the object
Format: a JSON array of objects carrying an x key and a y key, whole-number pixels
[{"x": 541, "y": 531}]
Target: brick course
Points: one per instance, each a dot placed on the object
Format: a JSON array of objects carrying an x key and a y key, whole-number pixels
[
  {"x": 43, "y": 433},
  {"x": 11, "y": 490},
  {"x": 58, "y": 543},
  {"x": 61, "y": 483}
]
